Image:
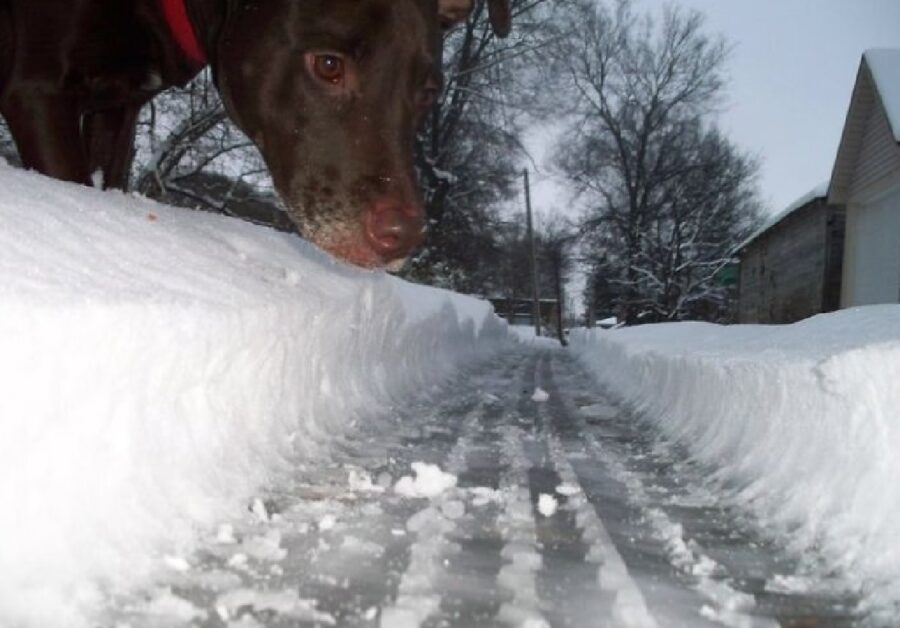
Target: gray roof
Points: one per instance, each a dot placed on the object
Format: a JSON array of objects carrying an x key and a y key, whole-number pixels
[{"x": 820, "y": 191}]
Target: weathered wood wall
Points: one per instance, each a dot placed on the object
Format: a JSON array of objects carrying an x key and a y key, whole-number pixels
[
  {"x": 878, "y": 162},
  {"x": 792, "y": 271}
]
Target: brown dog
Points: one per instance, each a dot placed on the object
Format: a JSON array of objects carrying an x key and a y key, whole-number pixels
[{"x": 331, "y": 91}]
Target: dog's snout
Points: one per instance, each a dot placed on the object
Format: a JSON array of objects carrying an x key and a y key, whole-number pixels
[{"x": 393, "y": 229}]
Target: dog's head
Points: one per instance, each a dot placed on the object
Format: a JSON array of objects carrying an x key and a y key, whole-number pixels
[{"x": 332, "y": 92}]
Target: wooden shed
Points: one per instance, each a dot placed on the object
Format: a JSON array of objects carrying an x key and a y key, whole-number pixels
[
  {"x": 521, "y": 311},
  {"x": 866, "y": 179},
  {"x": 791, "y": 268}
]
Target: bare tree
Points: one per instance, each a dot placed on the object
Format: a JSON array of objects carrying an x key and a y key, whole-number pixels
[
  {"x": 469, "y": 150},
  {"x": 667, "y": 194},
  {"x": 190, "y": 154},
  {"x": 508, "y": 274},
  {"x": 7, "y": 145},
  {"x": 703, "y": 214},
  {"x": 556, "y": 242},
  {"x": 468, "y": 153}
]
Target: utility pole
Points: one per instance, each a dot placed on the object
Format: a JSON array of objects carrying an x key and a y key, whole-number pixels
[
  {"x": 536, "y": 311},
  {"x": 560, "y": 310}
]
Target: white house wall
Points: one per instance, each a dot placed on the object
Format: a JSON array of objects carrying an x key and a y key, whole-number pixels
[
  {"x": 872, "y": 251},
  {"x": 878, "y": 163},
  {"x": 866, "y": 180}
]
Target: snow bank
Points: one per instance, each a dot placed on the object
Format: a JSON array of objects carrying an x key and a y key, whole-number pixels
[
  {"x": 800, "y": 422},
  {"x": 159, "y": 367}
]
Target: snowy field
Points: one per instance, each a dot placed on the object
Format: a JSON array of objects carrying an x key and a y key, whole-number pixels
[
  {"x": 159, "y": 367},
  {"x": 799, "y": 423}
]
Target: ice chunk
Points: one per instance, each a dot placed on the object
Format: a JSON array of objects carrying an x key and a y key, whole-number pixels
[
  {"x": 547, "y": 505},
  {"x": 265, "y": 547},
  {"x": 568, "y": 490},
  {"x": 453, "y": 509},
  {"x": 285, "y": 602},
  {"x": 168, "y": 608},
  {"x": 259, "y": 509},
  {"x": 429, "y": 482},
  {"x": 360, "y": 480},
  {"x": 177, "y": 563},
  {"x": 225, "y": 535}
]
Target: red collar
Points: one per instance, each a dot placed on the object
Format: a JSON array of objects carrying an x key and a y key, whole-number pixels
[{"x": 183, "y": 31}]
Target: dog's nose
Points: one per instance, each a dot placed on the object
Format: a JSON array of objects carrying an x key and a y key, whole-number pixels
[{"x": 393, "y": 229}]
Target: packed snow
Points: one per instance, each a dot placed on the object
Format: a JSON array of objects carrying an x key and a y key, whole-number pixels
[
  {"x": 429, "y": 481},
  {"x": 163, "y": 370},
  {"x": 799, "y": 423},
  {"x": 160, "y": 367}
]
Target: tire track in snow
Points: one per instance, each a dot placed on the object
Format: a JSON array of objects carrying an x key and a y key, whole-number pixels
[
  {"x": 484, "y": 554},
  {"x": 547, "y": 554},
  {"x": 450, "y": 425},
  {"x": 401, "y": 588},
  {"x": 344, "y": 556},
  {"x": 513, "y": 595},
  {"x": 420, "y": 596},
  {"x": 627, "y": 607},
  {"x": 611, "y": 597},
  {"x": 472, "y": 595},
  {"x": 415, "y": 560},
  {"x": 725, "y": 604},
  {"x": 347, "y": 582},
  {"x": 516, "y": 521}
]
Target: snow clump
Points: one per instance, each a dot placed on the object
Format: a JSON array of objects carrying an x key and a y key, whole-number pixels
[{"x": 429, "y": 482}]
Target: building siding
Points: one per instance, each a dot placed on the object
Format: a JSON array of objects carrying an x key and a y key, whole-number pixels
[
  {"x": 836, "y": 230},
  {"x": 851, "y": 137},
  {"x": 879, "y": 157},
  {"x": 792, "y": 271},
  {"x": 866, "y": 179},
  {"x": 872, "y": 256}
]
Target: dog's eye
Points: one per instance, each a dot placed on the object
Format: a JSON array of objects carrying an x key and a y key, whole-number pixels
[
  {"x": 427, "y": 98},
  {"x": 329, "y": 68},
  {"x": 429, "y": 93}
]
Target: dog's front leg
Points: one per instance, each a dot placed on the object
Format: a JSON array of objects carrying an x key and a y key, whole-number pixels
[
  {"x": 109, "y": 137},
  {"x": 47, "y": 131}
]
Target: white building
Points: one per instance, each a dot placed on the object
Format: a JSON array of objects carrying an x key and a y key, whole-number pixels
[{"x": 866, "y": 179}]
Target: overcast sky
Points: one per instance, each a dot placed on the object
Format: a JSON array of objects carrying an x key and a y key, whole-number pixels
[{"x": 792, "y": 71}]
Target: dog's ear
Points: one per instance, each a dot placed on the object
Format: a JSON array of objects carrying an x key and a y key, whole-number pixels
[
  {"x": 452, "y": 12},
  {"x": 501, "y": 17}
]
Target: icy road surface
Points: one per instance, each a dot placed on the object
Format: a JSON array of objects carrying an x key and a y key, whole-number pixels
[{"x": 517, "y": 495}]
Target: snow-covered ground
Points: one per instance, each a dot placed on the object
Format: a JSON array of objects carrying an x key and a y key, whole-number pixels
[
  {"x": 525, "y": 335},
  {"x": 200, "y": 416},
  {"x": 799, "y": 423},
  {"x": 514, "y": 494},
  {"x": 159, "y": 367}
]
